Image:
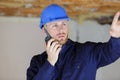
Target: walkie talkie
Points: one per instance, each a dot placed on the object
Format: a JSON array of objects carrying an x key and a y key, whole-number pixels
[{"x": 48, "y": 37}]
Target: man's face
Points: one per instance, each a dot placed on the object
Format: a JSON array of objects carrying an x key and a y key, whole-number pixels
[{"x": 58, "y": 30}]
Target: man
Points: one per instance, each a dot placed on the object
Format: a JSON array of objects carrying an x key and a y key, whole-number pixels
[{"x": 68, "y": 60}]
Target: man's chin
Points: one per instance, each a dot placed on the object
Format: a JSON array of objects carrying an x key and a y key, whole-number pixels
[{"x": 62, "y": 42}]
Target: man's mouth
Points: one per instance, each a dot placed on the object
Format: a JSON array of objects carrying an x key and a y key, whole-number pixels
[{"x": 61, "y": 36}]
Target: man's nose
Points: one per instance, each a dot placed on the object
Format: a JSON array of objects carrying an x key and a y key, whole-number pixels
[{"x": 61, "y": 27}]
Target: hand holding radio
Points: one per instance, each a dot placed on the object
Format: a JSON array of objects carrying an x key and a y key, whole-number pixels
[{"x": 53, "y": 48}]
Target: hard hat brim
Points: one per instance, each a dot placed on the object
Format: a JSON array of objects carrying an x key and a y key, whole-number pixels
[{"x": 58, "y": 19}]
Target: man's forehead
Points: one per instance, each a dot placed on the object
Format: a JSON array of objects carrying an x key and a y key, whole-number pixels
[{"x": 58, "y": 21}]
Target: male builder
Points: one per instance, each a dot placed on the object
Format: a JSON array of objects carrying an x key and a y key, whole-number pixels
[{"x": 65, "y": 59}]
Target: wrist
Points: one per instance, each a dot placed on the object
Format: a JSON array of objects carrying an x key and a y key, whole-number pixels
[{"x": 52, "y": 62}]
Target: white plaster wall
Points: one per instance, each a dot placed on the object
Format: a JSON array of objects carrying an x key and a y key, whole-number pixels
[{"x": 21, "y": 38}]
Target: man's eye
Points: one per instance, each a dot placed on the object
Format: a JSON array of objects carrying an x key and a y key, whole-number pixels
[{"x": 64, "y": 24}]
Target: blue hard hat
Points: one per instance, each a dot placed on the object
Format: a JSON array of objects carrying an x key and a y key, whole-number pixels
[{"x": 51, "y": 13}]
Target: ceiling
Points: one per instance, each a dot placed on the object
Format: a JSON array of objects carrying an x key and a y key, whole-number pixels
[{"x": 76, "y": 9}]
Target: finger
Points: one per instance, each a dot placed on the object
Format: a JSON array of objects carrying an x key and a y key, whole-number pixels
[
  {"x": 56, "y": 47},
  {"x": 48, "y": 45},
  {"x": 115, "y": 19},
  {"x": 49, "y": 42},
  {"x": 53, "y": 45}
]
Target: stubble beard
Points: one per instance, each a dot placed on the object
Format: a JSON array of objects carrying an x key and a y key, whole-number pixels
[{"x": 62, "y": 42}]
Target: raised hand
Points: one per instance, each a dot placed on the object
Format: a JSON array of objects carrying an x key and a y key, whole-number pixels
[
  {"x": 115, "y": 27},
  {"x": 53, "y": 49}
]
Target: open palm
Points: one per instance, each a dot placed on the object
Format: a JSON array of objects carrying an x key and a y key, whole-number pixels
[{"x": 115, "y": 27}]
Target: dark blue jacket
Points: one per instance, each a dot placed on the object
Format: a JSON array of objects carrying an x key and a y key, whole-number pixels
[{"x": 77, "y": 61}]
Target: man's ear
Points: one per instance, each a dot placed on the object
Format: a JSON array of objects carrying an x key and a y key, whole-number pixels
[{"x": 43, "y": 31}]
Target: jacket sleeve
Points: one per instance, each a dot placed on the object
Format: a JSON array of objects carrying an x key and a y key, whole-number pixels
[
  {"x": 39, "y": 70},
  {"x": 106, "y": 53}
]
